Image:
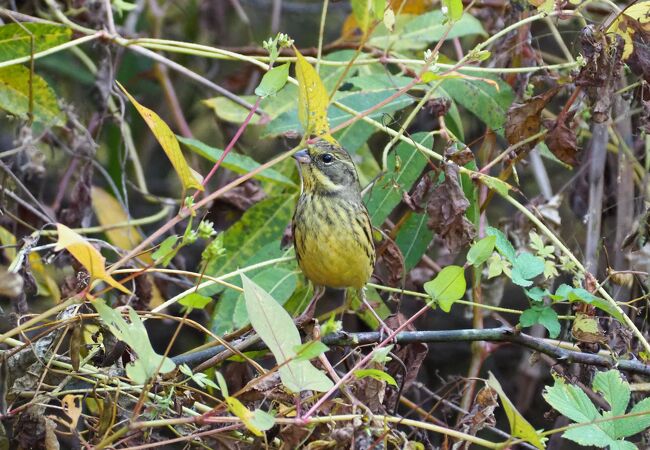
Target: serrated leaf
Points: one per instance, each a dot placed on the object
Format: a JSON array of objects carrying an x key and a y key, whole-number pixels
[
  {"x": 273, "y": 81},
  {"x": 167, "y": 140},
  {"x": 312, "y": 100},
  {"x": 525, "y": 267},
  {"x": 236, "y": 162},
  {"x": 502, "y": 244},
  {"x": 405, "y": 165},
  {"x": 87, "y": 255},
  {"x": 16, "y": 40},
  {"x": 15, "y": 94},
  {"x": 543, "y": 315},
  {"x": 276, "y": 328},
  {"x": 448, "y": 286},
  {"x": 632, "y": 425},
  {"x": 614, "y": 389},
  {"x": 480, "y": 251},
  {"x": 519, "y": 426},
  {"x": 135, "y": 335},
  {"x": 377, "y": 374},
  {"x": 570, "y": 401}
]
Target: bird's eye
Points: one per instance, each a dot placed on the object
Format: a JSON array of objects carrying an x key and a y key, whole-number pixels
[{"x": 327, "y": 158}]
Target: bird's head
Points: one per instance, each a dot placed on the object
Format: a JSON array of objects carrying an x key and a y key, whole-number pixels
[{"x": 327, "y": 169}]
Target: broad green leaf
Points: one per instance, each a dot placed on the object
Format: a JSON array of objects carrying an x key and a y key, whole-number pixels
[
  {"x": 480, "y": 251},
  {"x": 614, "y": 389},
  {"x": 165, "y": 252},
  {"x": 519, "y": 426},
  {"x": 16, "y": 40},
  {"x": 226, "y": 109},
  {"x": 273, "y": 80},
  {"x": 495, "y": 266},
  {"x": 352, "y": 139},
  {"x": 195, "y": 300},
  {"x": 312, "y": 99},
  {"x": 358, "y": 101},
  {"x": 632, "y": 425},
  {"x": 148, "y": 362},
  {"x": 87, "y": 255},
  {"x": 417, "y": 32},
  {"x": 276, "y": 328},
  {"x": 379, "y": 81},
  {"x": 262, "y": 420},
  {"x": 588, "y": 435},
  {"x": 503, "y": 244},
  {"x": 448, "y": 286},
  {"x": 537, "y": 294},
  {"x": 264, "y": 222},
  {"x": 543, "y": 315},
  {"x": 376, "y": 374},
  {"x": 525, "y": 267},
  {"x": 15, "y": 92},
  {"x": 413, "y": 239},
  {"x": 566, "y": 292},
  {"x": 167, "y": 140},
  {"x": 236, "y": 162},
  {"x": 310, "y": 350},
  {"x": 405, "y": 164},
  {"x": 570, "y": 401},
  {"x": 454, "y": 9},
  {"x": 482, "y": 98}
]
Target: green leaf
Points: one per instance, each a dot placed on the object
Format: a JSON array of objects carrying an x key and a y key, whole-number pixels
[
  {"x": 482, "y": 98},
  {"x": 543, "y": 315},
  {"x": 262, "y": 420},
  {"x": 237, "y": 408},
  {"x": 413, "y": 239},
  {"x": 358, "y": 101},
  {"x": 480, "y": 251},
  {"x": 454, "y": 9},
  {"x": 15, "y": 91},
  {"x": 376, "y": 374},
  {"x": 519, "y": 426},
  {"x": 614, "y": 389},
  {"x": 405, "y": 164},
  {"x": 447, "y": 287},
  {"x": 264, "y": 222},
  {"x": 536, "y": 294},
  {"x": 381, "y": 354},
  {"x": 310, "y": 350},
  {"x": 632, "y": 425},
  {"x": 500, "y": 186},
  {"x": 495, "y": 266},
  {"x": 276, "y": 328},
  {"x": 566, "y": 292},
  {"x": 417, "y": 32},
  {"x": 195, "y": 300},
  {"x": 503, "y": 245},
  {"x": 236, "y": 162},
  {"x": 165, "y": 252},
  {"x": 16, "y": 40},
  {"x": 231, "y": 314},
  {"x": 525, "y": 267},
  {"x": 273, "y": 81},
  {"x": 571, "y": 401},
  {"x": 148, "y": 362}
]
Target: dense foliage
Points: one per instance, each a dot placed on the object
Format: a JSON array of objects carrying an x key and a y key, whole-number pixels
[{"x": 148, "y": 285}]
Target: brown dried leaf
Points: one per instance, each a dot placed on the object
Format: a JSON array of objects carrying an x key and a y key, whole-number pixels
[
  {"x": 390, "y": 262},
  {"x": 561, "y": 140},
  {"x": 446, "y": 210},
  {"x": 523, "y": 119},
  {"x": 244, "y": 196}
]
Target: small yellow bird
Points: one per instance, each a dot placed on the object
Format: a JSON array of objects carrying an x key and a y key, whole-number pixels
[{"x": 332, "y": 232}]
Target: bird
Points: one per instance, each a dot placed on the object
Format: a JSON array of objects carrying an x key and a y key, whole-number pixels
[{"x": 332, "y": 232}]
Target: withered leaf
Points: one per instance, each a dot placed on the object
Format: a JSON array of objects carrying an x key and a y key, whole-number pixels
[
  {"x": 390, "y": 262},
  {"x": 446, "y": 210},
  {"x": 523, "y": 119},
  {"x": 561, "y": 140}
]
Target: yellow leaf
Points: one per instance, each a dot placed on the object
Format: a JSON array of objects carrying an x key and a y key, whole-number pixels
[
  {"x": 634, "y": 19},
  {"x": 8, "y": 241},
  {"x": 109, "y": 212},
  {"x": 313, "y": 99},
  {"x": 87, "y": 255},
  {"x": 519, "y": 427},
  {"x": 169, "y": 143},
  {"x": 47, "y": 285},
  {"x": 71, "y": 409},
  {"x": 237, "y": 408}
]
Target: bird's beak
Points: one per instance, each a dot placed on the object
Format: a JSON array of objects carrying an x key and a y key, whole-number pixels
[{"x": 302, "y": 157}]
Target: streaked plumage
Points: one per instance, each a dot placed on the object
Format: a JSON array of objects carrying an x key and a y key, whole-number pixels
[{"x": 331, "y": 228}]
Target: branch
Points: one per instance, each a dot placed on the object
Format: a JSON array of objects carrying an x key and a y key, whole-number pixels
[{"x": 502, "y": 334}]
